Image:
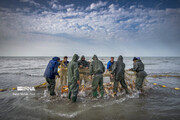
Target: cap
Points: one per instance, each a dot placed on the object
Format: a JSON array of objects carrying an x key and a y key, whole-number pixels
[{"x": 134, "y": 58}]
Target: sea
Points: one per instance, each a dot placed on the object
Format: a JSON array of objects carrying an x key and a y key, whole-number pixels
[{"x": 156, "y": 103}]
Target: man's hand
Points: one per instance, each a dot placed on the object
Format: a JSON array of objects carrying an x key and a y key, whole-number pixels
[
  {"x": 58, "y": 76},
  {"x": 78, "y": 82},
  {"x": 86, "y": 67},
  {"x": 112, "y": 76},
  {"x": 90, "y": 77},
  {"x": 107, "y": 71},
  {"x": 81, "y": 66}
]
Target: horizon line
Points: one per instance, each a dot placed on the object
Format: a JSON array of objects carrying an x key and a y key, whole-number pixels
[{"x": 72, "y": 56}]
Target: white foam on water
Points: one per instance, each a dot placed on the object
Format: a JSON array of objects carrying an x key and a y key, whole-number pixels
[
  {"x": 46, "y": 93},
  {"x": 99, "y": 103},
  {"x": 64, "y": 95},
  {"x": 134, "y": 95},
  {"x": 45, "y": 96},
  {"x": 72, "y": 115},
  {"x": 82, "y": 94},
  {"x": 117, "y": 101},
  {"x": 86, "y": 107},
  {"x": 108, "y": 103},
  {"x": 66, "y": 115}
]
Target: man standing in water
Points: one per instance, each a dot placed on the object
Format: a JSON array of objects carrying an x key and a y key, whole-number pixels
[
  {"x": 63, "y": 71},
  {"x": 138, "y": 67},
  {"x": 50, "y": 73},
  {"x": 118, "y": 73},
  {"x": 83, "y": 67},
  {"x": 97, "y": 69},
  {"x": 134, "y": 64},
  {"x": 109, "y": 67},
  {"x": 73, "y": 78}
]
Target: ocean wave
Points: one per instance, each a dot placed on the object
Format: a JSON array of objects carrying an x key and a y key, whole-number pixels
[
  {"x": 20, "y": 73},
  {"x": 165, "y": 73},
  {"x": 66, "y": 115},
  {"x": 166, "y": 61},
  {"x": 150, "y": 64},
  {"x": 29, "y": 68}
]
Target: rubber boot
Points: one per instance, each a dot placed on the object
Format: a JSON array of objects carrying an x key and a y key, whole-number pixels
[
  {"x": 127, "y": 92},
  {"x": 102, "y": 94},
  {"x": 142, "y": 90},
  {"x": 49, "y": 88},
  {"x": 74, "y": 98},
  {"x": 69, "y": 95},
  {"x": 95, "y": 94},
  {"x": 52, "y": 93}
]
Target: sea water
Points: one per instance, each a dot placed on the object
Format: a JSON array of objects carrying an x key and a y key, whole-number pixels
[{"x": 156, "y": 103}]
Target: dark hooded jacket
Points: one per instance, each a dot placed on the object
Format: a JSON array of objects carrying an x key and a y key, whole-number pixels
[
  {"x": 73, "y": 72},
  {"x": 84, "y": 63},
  {"x": 96, "y": 67},
  {"x": 118, "y": 68},
  {"x": 139, "y": 68},
  {"x": 52, "y": 68}
]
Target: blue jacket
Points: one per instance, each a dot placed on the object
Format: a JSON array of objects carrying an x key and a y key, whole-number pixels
[
  {"x": 109, "y": 65},
  {"x": 66, "y": 63},
  {"x": 52, "y": 68}
]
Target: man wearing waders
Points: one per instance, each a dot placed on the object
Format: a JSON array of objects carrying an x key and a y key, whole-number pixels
[
  {"x": 118, "y": 73},
  {"x": 73, "y": 78},
  {"x": 97, "y": 69},
  {"x": 63, "y": 71},
  {"x": 50, "y": 73},
  {"x": 109, "y": 67},
  {"x": 138, "y": 67},
  {"x": 83, "y": 70}
]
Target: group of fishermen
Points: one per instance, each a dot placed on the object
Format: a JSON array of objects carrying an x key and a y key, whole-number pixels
[{"x": 76, "y": 71}]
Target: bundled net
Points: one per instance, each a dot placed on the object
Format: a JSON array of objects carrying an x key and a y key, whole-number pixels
[{"x": 85, "y": 90}]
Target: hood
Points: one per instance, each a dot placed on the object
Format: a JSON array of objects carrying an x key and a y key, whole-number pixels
[
  {"x": 75, "y": 57},
  {"x": 139, "y": 60},
  {"x": 95, "y": 57},
  {"x": 82, "y": 57},
  {"x": 55, "y": 58},
  {"x": 120, "y": 58}
]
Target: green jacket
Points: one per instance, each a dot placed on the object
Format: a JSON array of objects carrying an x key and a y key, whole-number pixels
[
  {"x": 84, "y": 63},
  {"x": 73, "y": 72},
  {"x": 96, "y": 66},
  {"x": 139, "y": 68},
  {"x": 118, "y": 68}
]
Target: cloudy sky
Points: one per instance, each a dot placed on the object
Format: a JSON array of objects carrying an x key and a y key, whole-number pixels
[{"x": 87, "y": 27}]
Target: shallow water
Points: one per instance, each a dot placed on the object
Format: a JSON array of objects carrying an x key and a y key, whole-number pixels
[{"x": 156, "y": 103}]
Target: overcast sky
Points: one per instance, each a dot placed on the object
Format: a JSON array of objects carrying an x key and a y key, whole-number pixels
[{"x": 87, "y": 27}]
